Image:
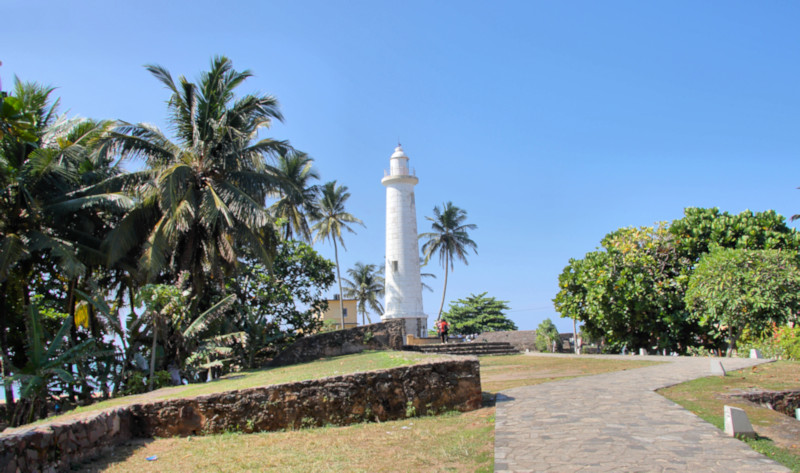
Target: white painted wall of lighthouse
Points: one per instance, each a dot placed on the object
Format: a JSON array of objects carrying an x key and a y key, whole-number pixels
[{"x": 403, "y": 290}]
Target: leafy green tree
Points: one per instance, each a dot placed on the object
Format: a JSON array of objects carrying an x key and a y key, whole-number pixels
[
  {"x": 736, "y": 289},
  {"x": 200, "y": 199},
  {"x": 365, "y": 285},
  {"x": 275, "y": 307},
  {"x": 297, "y": 197},
  {"x": 547, "y": 336},
  {"x": 703, "y": 230},
  {"x": 332, "y": 218},
  {"x": 449, "y": 239},
  {"x": 477, "y": 314},
  {"x": 631, "y": 290}
]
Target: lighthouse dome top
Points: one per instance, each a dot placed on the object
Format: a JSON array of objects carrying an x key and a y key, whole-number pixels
[
  {"x": 399, "y": 172},
  {"x": 399, "y": 153}
]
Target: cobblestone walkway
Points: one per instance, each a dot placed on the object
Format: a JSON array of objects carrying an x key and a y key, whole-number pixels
[{"x": 615, "y": 422}]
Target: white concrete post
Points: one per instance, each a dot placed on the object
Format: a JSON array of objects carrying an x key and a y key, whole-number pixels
[{"x": 737, "y": 424}]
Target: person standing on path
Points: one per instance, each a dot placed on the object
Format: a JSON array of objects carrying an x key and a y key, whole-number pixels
[{"x": 443, "y": 328}]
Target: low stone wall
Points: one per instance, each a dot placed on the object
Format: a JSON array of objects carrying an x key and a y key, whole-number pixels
[
  {"x": 521, "y": 339},
  {"x": 381, "y": 336},
  {"x": 450, "y": 384},
  {"x": 53, "y": 447},
  {"x": 781, "y": 401}
]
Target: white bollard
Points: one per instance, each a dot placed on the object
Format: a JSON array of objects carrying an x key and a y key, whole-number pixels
[
  {"x": 737, "y": 424},
  {"x": 755, "y": 353},
  {"x": 717, "y": 369},
  {"x": 642, "y": 352}
]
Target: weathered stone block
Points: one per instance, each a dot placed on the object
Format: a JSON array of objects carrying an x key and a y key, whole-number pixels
[{"x": 737, "y": 424}]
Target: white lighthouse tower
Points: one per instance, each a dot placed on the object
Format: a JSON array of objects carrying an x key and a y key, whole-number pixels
[{"x": 403, "y": 284}]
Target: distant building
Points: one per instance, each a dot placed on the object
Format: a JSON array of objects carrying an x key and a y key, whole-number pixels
[{"x": 332, "y": 316}]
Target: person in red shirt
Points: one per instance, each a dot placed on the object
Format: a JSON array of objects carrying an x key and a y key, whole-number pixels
[{"x": 443, "y": 328}]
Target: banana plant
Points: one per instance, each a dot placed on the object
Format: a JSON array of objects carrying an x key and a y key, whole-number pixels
[{"x": 46, "y": 362}]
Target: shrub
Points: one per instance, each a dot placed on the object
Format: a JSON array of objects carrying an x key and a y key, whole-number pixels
[
  {"x": 137, "y": 382},
  {"x": 779, "y": 342}
]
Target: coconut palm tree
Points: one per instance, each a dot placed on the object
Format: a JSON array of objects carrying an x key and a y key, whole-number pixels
[
  {"x": 331, "y": 220},
  {"x": 297, "y": 197},
  {"x": 449, "y": 239},
  {"x": 365, "y": 285},
  {"x": 200, "y": 200}
]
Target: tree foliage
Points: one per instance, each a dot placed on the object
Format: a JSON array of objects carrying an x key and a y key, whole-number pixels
[
  {"x": 736, "y": 289},
  {"x": 46, "y": 362},
  {"x": 477, "y": 314},
  {"x": 330, "y": 221},
  {"x": 275, "y": 307},
  {"x": 82, "y": 241},
  {"x": 200, "y": 200},
  {"x": 547, "y": 336},
  {"x": 449, "y": 239},
  {"x": 630, "y": 291},
  {"x": 365, "y": 285},
  {"x": 297, "y": 197}
]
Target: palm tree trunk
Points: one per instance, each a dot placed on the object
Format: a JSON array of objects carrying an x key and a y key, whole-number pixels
[
  {"x": 5, "y": 353},
  {"x": 575, "y": 336},
  {"x": 339, "y": 280},
  {"x": 153, "y": 352},
  {"x": 5, "y": 364},
  {"x": 444, "y": 291}
]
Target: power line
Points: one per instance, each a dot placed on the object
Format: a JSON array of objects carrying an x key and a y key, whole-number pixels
[{"x": 532, "y": 309}]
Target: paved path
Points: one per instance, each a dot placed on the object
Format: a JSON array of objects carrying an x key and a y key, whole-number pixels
[{"x": 615, "y": 422}]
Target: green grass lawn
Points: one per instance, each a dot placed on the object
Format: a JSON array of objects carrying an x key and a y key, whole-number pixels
[
  {"x": 366, "y": 361},
  {"x": 452, "y": 442},
  {"x": 706, "y": 397}
]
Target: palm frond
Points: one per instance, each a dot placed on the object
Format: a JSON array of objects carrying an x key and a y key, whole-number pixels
[
  {"x": 13, "y": 249},
  {"x": 202, "y": 321}
]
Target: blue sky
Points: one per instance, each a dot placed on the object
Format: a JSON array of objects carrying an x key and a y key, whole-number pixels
[{"x": 551, "y": 123}]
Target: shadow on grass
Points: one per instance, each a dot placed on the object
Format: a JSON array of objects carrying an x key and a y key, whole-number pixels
[{"x": 120, "y": 454}]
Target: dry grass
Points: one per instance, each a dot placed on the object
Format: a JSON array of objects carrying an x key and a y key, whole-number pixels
[
  {"x": 505, "y": 372},
  {"x": 451, "y": 442},
  {"x": 706, "y": 397}
]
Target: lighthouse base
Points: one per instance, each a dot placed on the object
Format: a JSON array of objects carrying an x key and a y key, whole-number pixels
[{"x": 417, "y": 326}]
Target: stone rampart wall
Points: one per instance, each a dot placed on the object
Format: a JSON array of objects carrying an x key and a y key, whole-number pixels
[
  {"x": 781, "y": 401},
  {"x": 451, "y": 384},
  {"x": 381, "y": 336},
  {"x": 521, "y": 339}
]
